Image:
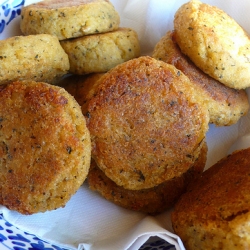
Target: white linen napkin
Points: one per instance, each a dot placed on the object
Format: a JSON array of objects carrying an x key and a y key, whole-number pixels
[{"x": 90, "y": 222}]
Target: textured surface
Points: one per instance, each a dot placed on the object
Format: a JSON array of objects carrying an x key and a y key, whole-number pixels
[
  {"x": 226, "y": 105},
  {"x": 101, "y": 52},
  {"x": 153, "y": 200},
  {"x": 214, "y": 42},
  {"x": 68, "y": 19},
  {"x": 146, "y": 123},
  {"x": 215, "y": 211},
  {"x": 44, "y": 147},
  {"x": 36, "y": 57}
]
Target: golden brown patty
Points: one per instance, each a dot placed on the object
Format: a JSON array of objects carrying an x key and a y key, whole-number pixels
[
  {"x": 68, "y": 19},
  {"x": 215, "y": 211},
  {"x": 101, "y": 52},
  {"x": 146, "y": 122},
  {"x": 214, "y": 42},
  {"x": 153, "y": 200},
  {"x": 37, "y": 57},
  {"x": 81, "y": 87},
  {"x": 225, "y": 105},
  {"x": 44, "y": 147}
]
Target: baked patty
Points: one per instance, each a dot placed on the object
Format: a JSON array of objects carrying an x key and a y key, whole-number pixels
[
  {"x": 147, "y": 123},
  {"x": 215, "y": 42},
  {"x": 100, "y": 52},
  {"x": 226, "y": 105},
  {"x": 35, "y": 57},
  {"x": 44, "y": 147},
  {"x": 68, "y": 19},
  {"x": 153, "y": 200},
  {"x": 214, "y": 213}
]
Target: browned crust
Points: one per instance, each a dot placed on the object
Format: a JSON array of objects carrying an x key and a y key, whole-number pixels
[
  {"x": 146, "y": 122},
  {"x": 44, "y": 147},
  {"x": 226, "y": 105},
  {"x": 152, "y": 201},
  {"x": 216, "y": 207}
]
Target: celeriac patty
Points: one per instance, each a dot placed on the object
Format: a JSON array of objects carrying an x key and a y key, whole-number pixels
[
  {"x": 147, "y": 123},
  {"x": 153, "y": 200},
  {"x": 34, "y": 57},
  {"x": 68, "y": 19},
  {"x": 214, "y": 212},
  {"x": 215, "y": 42},
  {"x": 45, "y": 147},
  {"x": 226, "y": 105},
  {"x": 101, "y": 52}
]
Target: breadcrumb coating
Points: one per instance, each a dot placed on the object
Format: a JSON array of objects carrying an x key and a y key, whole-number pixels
[
  {"x": 226, "y": 105},
  {"x": 45, "y": 147},
  {"x": 153, "y": 200},
  {"x": 147, "y": 123},
  {"x": 214, "y": 212}
]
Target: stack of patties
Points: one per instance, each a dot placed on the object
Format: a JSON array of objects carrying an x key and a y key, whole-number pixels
[
  {"x": 45, "y": 145},
  {"x": 88, "y": 31},
  {"x": 206, "y": 51},
  {"x": 214, "y": 211},
  {"x": 148, "y": 142},
  {"x": 148, "y": 126}
]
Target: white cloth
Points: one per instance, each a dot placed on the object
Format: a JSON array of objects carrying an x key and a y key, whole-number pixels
[{"x": 92, "y": 223}]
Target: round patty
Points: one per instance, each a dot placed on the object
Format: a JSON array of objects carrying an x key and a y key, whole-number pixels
[
  {"x": 147, "y": 123},
  {"x": 214, "y": 213},
  {"x": 226, "y": 105},
  {"x": 44, "y": 147},
  {"x": 35, "y": 57},
  {"x": 101, "y": 52},
  {"x": 68, "y": 19},
  {"x": 214, "y": 42},
  {"x": 153, "y": 200}
]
